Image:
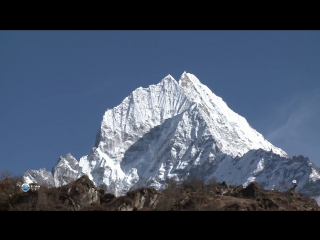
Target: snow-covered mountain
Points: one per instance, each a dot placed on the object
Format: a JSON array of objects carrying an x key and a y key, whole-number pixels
[
  {"x": 65, "y": 170},
  {"x": 177, "y": 130},
  {"x": 41, "y": 177}
]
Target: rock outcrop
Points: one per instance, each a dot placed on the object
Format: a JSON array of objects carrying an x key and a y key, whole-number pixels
[
  {"x": 221, "y": 197},
  {"x": 82, "y": 193}
]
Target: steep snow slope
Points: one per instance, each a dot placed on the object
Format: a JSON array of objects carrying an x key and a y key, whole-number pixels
[
  {"x": 232, "y": 132},
  {"x": 169, "y": 150},
  {"x": 66, "y": 170},
  {"x": 125, "y": 124}
]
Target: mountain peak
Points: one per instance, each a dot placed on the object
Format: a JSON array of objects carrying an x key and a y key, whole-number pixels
[
  {"x": 169, "y": 77},
  {"x": 65, "y": 170},
  {"x": 188, "y": 79},
  {"x": 168, "y": 80},
  {"x": 232, "y": 132}
]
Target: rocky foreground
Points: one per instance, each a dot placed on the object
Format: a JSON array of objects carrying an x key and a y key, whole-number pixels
[{"x": 192, "y": 195}]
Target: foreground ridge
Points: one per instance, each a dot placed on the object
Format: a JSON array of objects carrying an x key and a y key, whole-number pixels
[{"x": 189, "y": 195}]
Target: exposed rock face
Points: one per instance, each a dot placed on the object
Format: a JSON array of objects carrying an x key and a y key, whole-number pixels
[
  {"x": 212, "y": 197},
  {"x": 222, "y": 197},
  {"x": 83, "y": 193},
  {"x": 144, "y": 198},
  {"x": 139, "y": 199},
  {"x": 251, "y": 191}
]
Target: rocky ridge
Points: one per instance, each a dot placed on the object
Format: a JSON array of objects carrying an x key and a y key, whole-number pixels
[{"x": 190, "y": 195}]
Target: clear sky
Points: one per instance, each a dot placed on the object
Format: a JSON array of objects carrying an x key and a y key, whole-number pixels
[{"x": 56, "y": 85}]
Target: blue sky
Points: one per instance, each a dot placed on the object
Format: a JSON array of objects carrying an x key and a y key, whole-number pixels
[{"x": 56, "y": 85}]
